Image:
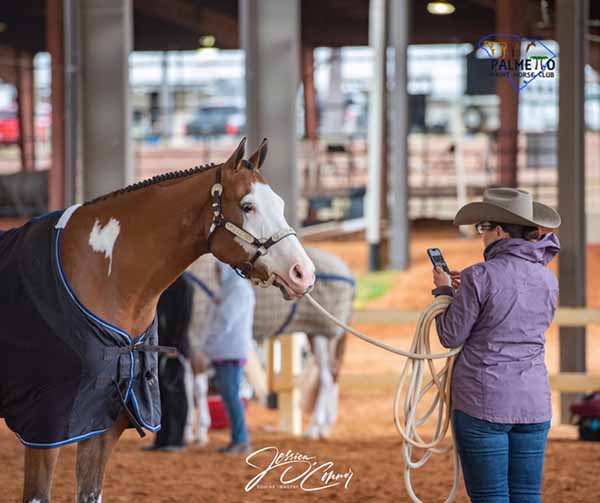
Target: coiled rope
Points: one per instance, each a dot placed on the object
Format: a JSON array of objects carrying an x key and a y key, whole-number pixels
[{"x": 418, "y": 359}]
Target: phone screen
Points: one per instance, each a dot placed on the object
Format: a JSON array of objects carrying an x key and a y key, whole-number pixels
[{"x": 438, "y": 259}]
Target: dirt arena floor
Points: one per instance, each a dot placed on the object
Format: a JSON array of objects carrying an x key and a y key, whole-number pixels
[{"x": 364, "y": 447}]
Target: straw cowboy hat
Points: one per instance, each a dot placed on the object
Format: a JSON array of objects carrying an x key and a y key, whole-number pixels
[{"x": 508, "y": 206}]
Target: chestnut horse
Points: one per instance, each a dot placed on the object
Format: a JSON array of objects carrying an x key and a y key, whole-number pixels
[{"x": 121, "y": 251}]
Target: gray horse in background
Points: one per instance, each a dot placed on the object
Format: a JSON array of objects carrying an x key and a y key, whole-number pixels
[{"x": 334, "y": 290}]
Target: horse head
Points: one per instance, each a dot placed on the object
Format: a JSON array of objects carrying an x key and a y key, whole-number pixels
[{"x": 249, "y": 231}]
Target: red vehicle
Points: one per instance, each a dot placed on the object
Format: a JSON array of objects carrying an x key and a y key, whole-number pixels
[{"x": 9, "y": 126}]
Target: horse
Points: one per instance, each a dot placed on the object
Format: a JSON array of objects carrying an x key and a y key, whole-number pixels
[
  {"x": 334, "y": 289},
  {"x": 90, "y": 278}
]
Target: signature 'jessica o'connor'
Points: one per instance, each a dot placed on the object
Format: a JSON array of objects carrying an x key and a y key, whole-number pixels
[{"x": 294, "y": 470}]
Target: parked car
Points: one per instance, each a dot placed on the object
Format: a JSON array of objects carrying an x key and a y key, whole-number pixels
[
  {"x": 215, "y": 120},
  {"x": 9, "y": 125}
]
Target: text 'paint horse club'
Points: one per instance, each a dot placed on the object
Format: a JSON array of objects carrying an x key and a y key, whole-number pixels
[{"x": 79, "y": 294}]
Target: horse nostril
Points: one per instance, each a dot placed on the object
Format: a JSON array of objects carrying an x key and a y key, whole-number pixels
[{"x": 296, "y": 273}]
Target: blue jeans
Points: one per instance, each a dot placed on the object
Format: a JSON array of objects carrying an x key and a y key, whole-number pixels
[
  {"x": 227, "y": 379},
  {"x": 502, "y": 463}
]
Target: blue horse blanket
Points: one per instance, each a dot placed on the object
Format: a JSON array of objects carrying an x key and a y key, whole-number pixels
[{"x": 65, "y": 374}]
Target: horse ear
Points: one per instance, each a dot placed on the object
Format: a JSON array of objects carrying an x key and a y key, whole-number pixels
[
  {"x": 237, "y": 155},
  {"x": 258, "y": 157}
]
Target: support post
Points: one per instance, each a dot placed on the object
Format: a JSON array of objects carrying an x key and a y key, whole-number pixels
[
  {"x": 73, "y": 167},
  {"x": 54, "y": 40},
  {"x": 106, "y": 31},
  {"x": 572, "y": 16},
  {"x": 458, "y": 129},
  {"x": 26, "y": 106},
  {"x": 270, "y": 35},
  {"x": 289, "y": 395},
  {"x": 310, "y": 93},
  {"x": 165, "y": 101},
  {"x": 333, "y": 111},
  {"x": 399, "y": 221},
  {"x": 270, "y": 364},
  {"x": 509, "y": 20},
  {"x": 257, "y": 377},
  {"x": 377, "y": 41}
]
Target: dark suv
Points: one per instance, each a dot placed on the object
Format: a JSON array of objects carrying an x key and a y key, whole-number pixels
[{"x": 214, "y": 120}]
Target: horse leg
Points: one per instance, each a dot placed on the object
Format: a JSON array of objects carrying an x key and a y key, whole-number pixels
[
  {"x": 39, "y": 469},
  {"x": 319, "y": 426},
  {"x": 337, "y": 349},
  {"x": 201, "y": 394},
  {"x": 92, "y": 455},
  {"x": 189, "y": 394}
]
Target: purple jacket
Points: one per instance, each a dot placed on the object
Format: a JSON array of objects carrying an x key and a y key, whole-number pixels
[{"x": 500, "y": 313}]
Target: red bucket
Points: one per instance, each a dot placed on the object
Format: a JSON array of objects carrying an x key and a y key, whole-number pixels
[{"x": 218, "y": 414}]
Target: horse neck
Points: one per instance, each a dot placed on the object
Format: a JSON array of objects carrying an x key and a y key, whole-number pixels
[{"x": 160, "y": 230}]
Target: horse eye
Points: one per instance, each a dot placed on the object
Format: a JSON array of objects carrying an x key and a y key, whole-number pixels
[{"x": 247, "y": 207}]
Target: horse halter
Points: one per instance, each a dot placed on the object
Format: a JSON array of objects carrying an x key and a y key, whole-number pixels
[{"x": 262, "y": 245}]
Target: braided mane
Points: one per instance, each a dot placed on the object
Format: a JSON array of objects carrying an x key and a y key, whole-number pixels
[{"x": 154, "y": 180}]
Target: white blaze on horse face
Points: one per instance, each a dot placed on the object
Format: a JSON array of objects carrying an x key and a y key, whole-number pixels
[
  {"x": 266, "y": 220},
  {"x": 102, "y": 239}
]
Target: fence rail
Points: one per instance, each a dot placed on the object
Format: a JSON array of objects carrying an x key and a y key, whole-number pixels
[
  {"x": 565, "y": 316},
  {"x": 566, "y": 382}
]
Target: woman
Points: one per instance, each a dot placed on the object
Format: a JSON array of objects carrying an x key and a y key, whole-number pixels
[
  {"x": 501, "y": 407},
  {"x": 227, "y": 345}
]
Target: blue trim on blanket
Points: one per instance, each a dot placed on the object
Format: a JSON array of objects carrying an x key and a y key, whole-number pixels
[
  {"x": 335, "y": 277},
  {"x": 153, "y": 429},
  {"x": 60, "y": 444},
  {"x": 71, "y": 293},
  {"x": 45, "y": 215},
  {"x": 108, "y": 325},
  {"x": 136, "y": 407},
  {"x": 288, "y": 320},
  {"x": 89, "y": 314}
]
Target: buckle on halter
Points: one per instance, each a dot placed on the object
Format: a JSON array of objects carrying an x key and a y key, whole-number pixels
[{"x": 216, "y": 189}]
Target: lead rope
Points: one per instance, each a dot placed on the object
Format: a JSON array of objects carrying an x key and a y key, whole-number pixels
[{"x": 406, "y": 420}]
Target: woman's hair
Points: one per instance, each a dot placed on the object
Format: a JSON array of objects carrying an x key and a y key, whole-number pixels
[{"x": 526, "y": 232}]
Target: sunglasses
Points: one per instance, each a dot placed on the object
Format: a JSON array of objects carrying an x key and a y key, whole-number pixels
[{"x": 481, "y": 227}]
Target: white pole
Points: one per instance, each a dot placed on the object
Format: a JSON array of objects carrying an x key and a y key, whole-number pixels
[
  {"x": 376, "y": 139},
  {"x": 459, "y": 161},
  {"x": 399, "y": 221}
]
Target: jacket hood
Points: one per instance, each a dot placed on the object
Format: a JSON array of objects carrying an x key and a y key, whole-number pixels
[
  {"x": 230, "y": 280},
  {"x": 542, "y": 251}
]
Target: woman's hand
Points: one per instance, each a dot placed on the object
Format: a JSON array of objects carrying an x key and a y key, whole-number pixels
[
  {"x": 442, "y": 278},
  {"x": 455, "y": 276}
]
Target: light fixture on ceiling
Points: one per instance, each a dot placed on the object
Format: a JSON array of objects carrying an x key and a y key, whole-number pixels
[
  {"x": 207, "y": 41},
  {"x": 440, "y": 8}
]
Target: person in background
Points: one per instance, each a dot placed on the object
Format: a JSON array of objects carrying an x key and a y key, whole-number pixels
[
  {"x": 502, "y": 307},
  {"x": 174, "y": 315},
  {"x": 227, "y": 344}
]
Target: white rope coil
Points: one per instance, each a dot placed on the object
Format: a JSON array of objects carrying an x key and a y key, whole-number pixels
[{"x": 406, "y": 420}]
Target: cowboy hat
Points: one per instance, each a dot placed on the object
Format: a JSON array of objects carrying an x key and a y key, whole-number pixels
[{"x": 508, "y": 206}]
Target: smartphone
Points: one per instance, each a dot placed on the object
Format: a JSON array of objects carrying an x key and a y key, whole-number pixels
[{"x": 437, "y": 259}]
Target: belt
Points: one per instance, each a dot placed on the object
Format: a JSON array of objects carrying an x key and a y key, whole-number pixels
[{"x": 235, "y": 362}]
